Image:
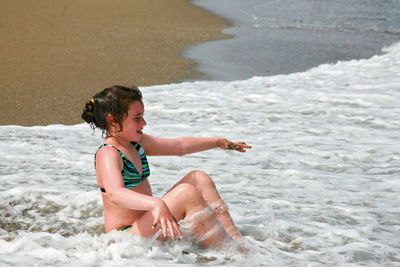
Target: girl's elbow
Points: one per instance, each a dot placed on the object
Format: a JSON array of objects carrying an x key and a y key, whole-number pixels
[{"x": 113, "y": 196}]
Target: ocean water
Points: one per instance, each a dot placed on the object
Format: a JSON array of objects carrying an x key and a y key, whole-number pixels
[
  {"x": 287, "y": 36},
  {"x": 319, "y": 188}
]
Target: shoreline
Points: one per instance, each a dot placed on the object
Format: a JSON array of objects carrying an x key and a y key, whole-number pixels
[
  {"x": 59, "y": 53},
  {"x": 276, "y": 38}
]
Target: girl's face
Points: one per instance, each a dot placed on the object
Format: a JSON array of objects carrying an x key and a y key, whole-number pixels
[{"x": 133, "y": 124}]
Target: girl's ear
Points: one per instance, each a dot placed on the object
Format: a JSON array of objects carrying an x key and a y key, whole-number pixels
[{"x": 110, "y": 120}]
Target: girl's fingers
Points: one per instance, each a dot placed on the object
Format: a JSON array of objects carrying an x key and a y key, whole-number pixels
[
  {"x": 171, "y": 230},
  {"x": 241, "y": 146},
  {"x": 172, "y": 227},
  {"x": 245, "y": 145},
  {"x": 154, "y": 225},
  {"x": 178, "y": 231},
  {"x": 164, "y": 227}
]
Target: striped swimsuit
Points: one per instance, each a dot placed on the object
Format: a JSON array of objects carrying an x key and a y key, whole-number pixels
[{"x": 130, "y": 174}]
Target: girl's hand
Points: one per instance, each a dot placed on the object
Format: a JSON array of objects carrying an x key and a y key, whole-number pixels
[
  {"x": 225, "y": 144},
  {"x": 164, "y": 218}
]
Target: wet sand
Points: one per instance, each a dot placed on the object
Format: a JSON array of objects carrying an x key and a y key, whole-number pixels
[{"x": 56, "y": 54}]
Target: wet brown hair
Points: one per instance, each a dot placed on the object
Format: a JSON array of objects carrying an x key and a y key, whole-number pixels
[{"x": 114, "y": 100}]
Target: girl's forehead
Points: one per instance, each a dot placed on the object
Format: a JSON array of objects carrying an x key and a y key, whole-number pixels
[{"x": 136, "y": 107}]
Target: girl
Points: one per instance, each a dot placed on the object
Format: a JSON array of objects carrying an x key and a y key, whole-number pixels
[{"x": 122, "y": 171}]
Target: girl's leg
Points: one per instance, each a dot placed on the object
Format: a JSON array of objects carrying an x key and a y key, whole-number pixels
[
  {"x": 202, "y": 182},
  {"x": 185, "y": 201}
]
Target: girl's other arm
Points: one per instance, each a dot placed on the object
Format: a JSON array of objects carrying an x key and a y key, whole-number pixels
[{"x": 186, "y": 145}]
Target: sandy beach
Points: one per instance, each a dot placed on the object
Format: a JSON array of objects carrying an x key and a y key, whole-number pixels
[{"x": 55, "y": 54}]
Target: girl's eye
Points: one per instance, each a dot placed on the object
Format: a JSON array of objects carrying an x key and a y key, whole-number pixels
[{"x": 137, "y": 118}]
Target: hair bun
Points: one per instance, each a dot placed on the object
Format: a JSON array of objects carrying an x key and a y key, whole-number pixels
[{"x": 88, "y": 112}]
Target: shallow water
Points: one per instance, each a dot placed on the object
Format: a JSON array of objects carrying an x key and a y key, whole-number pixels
[
  {"x": 319, "y": 187},
  {"x": 286, "y": 36}
]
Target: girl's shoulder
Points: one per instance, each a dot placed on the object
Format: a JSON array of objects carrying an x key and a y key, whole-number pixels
[
  {"x": 106, "y": 155},
  {"x": 107, "y": 150},
  {"x": 144, "y": 141}
]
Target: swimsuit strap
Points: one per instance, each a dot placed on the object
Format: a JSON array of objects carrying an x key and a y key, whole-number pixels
[
  {"x": 130, "y": 174},
  {"x": 135, "y": 144}
]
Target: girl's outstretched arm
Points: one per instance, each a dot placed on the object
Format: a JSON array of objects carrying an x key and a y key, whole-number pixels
[{"x": 155, "y": 146}]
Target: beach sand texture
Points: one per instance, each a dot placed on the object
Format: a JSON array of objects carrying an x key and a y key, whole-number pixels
[{"x": 56, "y": 54}]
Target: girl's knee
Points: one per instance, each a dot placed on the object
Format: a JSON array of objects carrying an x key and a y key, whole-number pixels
[
  {"x": 196, "y": 173},
  {"x": 201, "y": 179}
]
